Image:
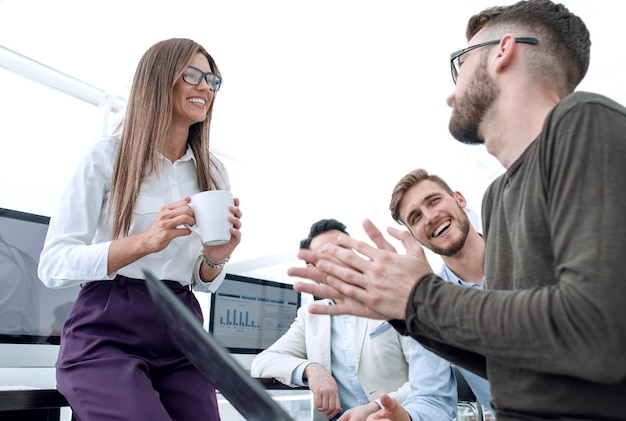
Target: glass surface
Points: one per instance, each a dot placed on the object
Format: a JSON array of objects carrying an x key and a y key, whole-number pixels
[
  {"x": 194, "y": 76},
  {"x": 248, "y": 315},
  {"x": 30, "y": 312}
]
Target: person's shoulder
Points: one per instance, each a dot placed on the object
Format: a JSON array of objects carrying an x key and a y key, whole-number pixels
[
  {"x": 583, "y": 100},
  {"x": 104, "y": 145},
  {"x": 493, "y": 189},
  {"x": 100, "y": 153}
]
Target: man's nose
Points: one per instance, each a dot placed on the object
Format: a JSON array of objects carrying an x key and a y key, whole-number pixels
[{"x": 429, "y": 215}]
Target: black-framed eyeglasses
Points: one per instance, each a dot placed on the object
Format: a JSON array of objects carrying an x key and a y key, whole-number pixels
[
  {"x": 194, "y": 76},
  {"x": 455, "y": 63}
]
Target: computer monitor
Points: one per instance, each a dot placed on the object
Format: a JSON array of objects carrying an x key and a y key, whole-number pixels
[
  {"x": 247, "y": 314},
  {"x": 31, "y": 315}
]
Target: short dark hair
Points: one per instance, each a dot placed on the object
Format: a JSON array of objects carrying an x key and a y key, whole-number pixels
[
  {"x": 320, "y": 227},
  {"x": 564, "y": 41}
]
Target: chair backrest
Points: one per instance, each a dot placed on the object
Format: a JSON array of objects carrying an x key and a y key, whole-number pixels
[
  {"x": 466, "y": 396},
  {"x": 465, "y": 392}
]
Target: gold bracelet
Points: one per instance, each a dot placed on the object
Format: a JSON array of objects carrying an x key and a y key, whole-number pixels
[{"x": 215, "y": 265}]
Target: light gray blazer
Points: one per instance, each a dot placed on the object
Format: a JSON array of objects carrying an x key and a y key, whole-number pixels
[{"x": 382, "y": 354}]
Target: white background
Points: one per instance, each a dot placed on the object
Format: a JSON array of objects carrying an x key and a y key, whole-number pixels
[{"x": 325, "y": 104}]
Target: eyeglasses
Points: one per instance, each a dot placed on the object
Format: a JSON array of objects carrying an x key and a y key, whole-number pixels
[
  {"x": 455, "y": 63},
  {"x": 194, "y": 77}
]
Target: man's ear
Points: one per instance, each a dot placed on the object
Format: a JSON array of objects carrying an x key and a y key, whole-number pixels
[
  {"x": 460, "y": 199},
  {"x": 506, "y": 52}
]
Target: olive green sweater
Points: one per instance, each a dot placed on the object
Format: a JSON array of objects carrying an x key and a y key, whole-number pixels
[{"x": 550, "y": 330}]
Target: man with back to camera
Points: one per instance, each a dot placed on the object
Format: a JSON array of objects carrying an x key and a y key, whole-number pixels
[
  {"x": 549, "y": 331},
  {"x": 346, "y": 361},
  {"x": 435, "y": 216}
]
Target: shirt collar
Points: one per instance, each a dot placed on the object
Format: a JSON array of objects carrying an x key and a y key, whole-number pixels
[
  {"x": 188, "y": 155},
  {"x": 447, "y": 273}
]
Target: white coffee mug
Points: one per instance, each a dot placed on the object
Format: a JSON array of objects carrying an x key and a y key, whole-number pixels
[{"x": 211, "y": 209}]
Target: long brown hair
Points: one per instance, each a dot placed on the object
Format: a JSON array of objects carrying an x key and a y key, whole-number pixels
[{"x": 147, "y": 122}]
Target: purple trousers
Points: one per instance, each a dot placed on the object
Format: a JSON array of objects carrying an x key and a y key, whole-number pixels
[{"x": 117, "y": 362}]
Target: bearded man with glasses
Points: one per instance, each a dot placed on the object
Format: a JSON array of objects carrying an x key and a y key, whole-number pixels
[{"x": 548, "y": 332}]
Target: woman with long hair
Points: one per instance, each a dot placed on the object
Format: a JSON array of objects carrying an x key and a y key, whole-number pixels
[{"x": 123, "y": 213}]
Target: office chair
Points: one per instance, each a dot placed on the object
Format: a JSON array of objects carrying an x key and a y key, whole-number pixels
[{"x": 467, "y": 399}]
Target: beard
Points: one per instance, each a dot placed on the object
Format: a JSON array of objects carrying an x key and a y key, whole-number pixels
[
  {"x": 469, "y": 109},
  {"x": 458, "y": 244}
]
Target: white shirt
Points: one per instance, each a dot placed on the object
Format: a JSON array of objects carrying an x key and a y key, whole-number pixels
[{"x": 77, "y": 244}]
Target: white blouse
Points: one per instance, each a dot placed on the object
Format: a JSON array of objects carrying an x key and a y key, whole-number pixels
[{"x": 77, "y": 244}]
